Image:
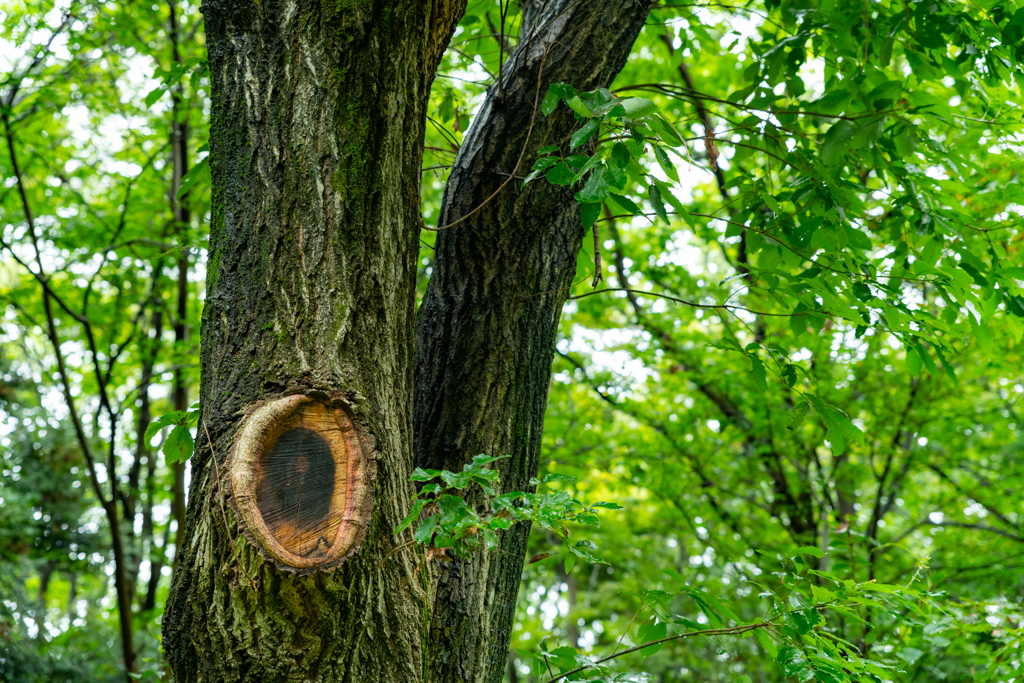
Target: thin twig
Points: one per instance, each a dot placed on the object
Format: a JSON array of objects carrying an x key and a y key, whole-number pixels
[
  {"x": 736, "y": 630},
  {"x": 220, "y": 482},
  {"x": 618, "y": 643},
  {"x": 393, "y": 551},
  {"x": 728, "y": 307}
]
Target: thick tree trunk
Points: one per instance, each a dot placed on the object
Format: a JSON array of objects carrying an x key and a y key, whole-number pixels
[
  {"x": 316, "y": 146},
  {"x": 486, "y": 331},
  {"x": 316, "y": 143}
]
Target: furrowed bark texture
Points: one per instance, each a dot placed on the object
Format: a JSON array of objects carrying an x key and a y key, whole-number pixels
[
  {"x": 316, "y": 146},
  {"x": 485, "y": 334}
]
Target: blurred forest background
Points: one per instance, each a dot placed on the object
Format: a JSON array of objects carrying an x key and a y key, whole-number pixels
[{"x": 908, "y": 473}]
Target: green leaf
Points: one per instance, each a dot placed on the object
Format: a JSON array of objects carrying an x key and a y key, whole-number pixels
[
  {"x": 179, "y": 445},
  {"x": 836, "y": 142},
  {"x": 883, "y": 95},
  {"x": 637, "y": 107},
  {"x": 906, "y": 142},
  {"x": 485, "y": 485},
  {"x": 596, "y": 187},
  {"x": 981, "y": 333},
  {"x": 539, "y": 167},
  {"x": 839, "y": 426},
  {"x": 766, "y": 643},
  {"x": 791, "y": 660},
  {"x": 847, "y": 136},
  {"x": 175, "y": 417},
  {"x": 584, "y": 133},
  {"x": 154, "y": 95},
  {"x": 484, "y": 459},
  {"x": 417, "y": 507},
  {"x": 560, "y": 174},
  {"x": 447, "y": 108},
  {"x": 1015, "y": 305},
  {"x": 626, "y": 204},
  {"x": 914, "y": 362},
  {"x": 926, "y": 358},
  {"x": 578, "y": 106},
  {"x": 201, "y": 171},
  {"x": 664, "y": 129},
  {"x": 620, "y": 156},
  {"x": 420, "y": 474},
  {"x": 652, "y": 631},
  {"x": 809, "y": 550},
  {"x": 589, "y": 214},
  {"x": 426, "y": 529},
  {"x": 550, "y": 102},
  {"x": 563, "y": 90},
  {"x": 799, "y": 413},
  {"x": 798, "y": 622},
  {"x": 665, "y": 163},
  {"x": 1015, "y": 272},
  {"x": 832, "y": 102},
  {"x": 585, "y": 165},
  {"x": 607, "y": 506},
  {"x": 690, "y": 624},
  {"x": 757, "y": 371},
  {"x": 910, "y": 655},
  {"x": 659, "y": 206},
  {"x": 455, "y": 480}
]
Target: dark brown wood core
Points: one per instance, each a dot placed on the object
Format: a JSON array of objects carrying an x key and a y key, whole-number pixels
[{"x": 295, "y": 491}]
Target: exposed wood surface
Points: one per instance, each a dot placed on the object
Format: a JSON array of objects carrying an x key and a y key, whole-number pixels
[{"x": 301, "y": 482}]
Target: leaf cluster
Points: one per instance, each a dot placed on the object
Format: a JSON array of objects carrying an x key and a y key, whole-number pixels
[{"x": 451, "y": 522}]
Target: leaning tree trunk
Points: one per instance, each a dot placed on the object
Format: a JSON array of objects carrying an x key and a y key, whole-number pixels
[
  {"x": 316, "y": 143},
  {"x": 315, "y": 150},
  {"x": 485, "y": 334}
]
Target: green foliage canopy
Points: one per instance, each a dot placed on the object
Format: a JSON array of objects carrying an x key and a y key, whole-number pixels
[{"x": 801, "y": 377}]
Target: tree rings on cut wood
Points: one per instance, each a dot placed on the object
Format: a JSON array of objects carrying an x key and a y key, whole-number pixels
[{"x": 301, "y": 481}]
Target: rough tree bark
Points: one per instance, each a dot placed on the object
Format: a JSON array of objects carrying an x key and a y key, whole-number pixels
[
  {"x": 316, "y": 146},
  {"x": 486, "y": 331}
]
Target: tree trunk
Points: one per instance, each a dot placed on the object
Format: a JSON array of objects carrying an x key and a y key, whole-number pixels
[
  {"x": 316, "y": 145},
  {"x": 182, "y": 217},
  {"x": 486, "y": 331},
  {"x": 150, "y": 344},
  {"x": 148, "y": 536}
]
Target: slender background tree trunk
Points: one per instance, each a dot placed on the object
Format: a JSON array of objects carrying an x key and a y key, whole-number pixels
[{"x": 182, "y": 217}]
